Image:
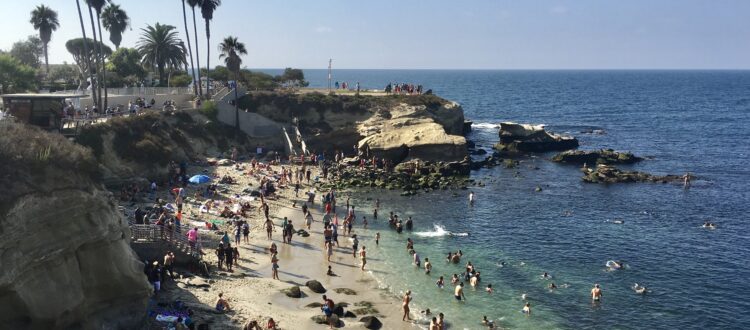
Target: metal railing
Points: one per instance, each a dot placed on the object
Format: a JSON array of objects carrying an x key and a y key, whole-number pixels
[
  {"x": 176, "y": 237},
  {"x": 135, "y": 91}
]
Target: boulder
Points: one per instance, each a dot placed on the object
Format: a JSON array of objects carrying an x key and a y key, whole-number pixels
[
  {"x": 293, "y": 292},
  {"x": 315, "y": 286},
  {"x": 321, "y": 319},
  {"x": 314, "y": 305},
  {"x": 371, "y": 322},
  {"x": 349, "y": 314},
  {"x": 591, "y": 157},
  {"x": 338, "y": 310},
  {"x": 515, "y": 138}
]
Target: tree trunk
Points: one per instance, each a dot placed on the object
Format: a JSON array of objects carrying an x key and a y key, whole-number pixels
[
  {"x": 104, "y": 64},
  {"x": 236, "y": 105},
  {"x": 197, "y": 56},
  {"x": 208, "y": 58},
  {"x": 190, "y": 48},
  {"x": 96, "y": 49},
  {"x": 46, "y": 59},
  {"x": 86, "y": 52},
  {"x": 85, "y": 49}
]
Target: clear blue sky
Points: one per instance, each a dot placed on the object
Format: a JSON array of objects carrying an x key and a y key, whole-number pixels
[{"x": 422, "y": 34}]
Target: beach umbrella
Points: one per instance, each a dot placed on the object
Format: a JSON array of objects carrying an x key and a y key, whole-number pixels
[{"x": 198, "y": 179}]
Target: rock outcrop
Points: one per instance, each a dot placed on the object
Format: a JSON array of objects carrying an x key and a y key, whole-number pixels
[
  {"x": 412, "y": 132},
  {"x": 396, "y": 127},
  {"x": 603, "y": 156},
  {"x": 516, "y": 138},
  {"x": 611, "y": 174},
  {"x": 315, "y": 286},
  {"x": 66, "y": 260}
]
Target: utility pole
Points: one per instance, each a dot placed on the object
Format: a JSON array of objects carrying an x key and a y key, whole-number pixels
[{"x": 330, "y": 60}]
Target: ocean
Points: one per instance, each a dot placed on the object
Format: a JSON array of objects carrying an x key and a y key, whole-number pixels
[{"x": 681, "y": 121}]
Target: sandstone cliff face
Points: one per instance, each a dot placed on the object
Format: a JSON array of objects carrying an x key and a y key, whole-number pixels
[
  {"x": 64, "y": 250},
  {"x": 414, "y": 132},
  {"x": 397, "y": 127}
]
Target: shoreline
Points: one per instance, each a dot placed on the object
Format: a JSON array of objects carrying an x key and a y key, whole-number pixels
[{"x": 251, "y": 292}]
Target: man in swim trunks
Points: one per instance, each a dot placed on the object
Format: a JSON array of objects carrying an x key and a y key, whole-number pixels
[
  {"x": 459, "y": 292},
  {"x": 363, "y": 256},
  {"x": 355, "y": 244},
  {"x": 427, "y": 266},
  {"x": 327, "y": 308},
  {"x": 405, "y": 306},
  {"x": 596, "y": 293},
  {"x": 269, "y": 227}
]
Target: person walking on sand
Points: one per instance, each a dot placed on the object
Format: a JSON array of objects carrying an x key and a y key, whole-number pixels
[
  {"x": 269, "y": 228},
  {"x": 405, "y": 306},
  {"x": 363, "y": 257},
  {"x": 355, "y": 244},
  {"x": 596, "y": 293},
  {"x": 377, "y": 238},
  {"x": 329, "y": 251}
]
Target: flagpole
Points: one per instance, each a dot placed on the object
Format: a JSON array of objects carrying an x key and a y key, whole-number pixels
[{"x": 329, "y": 74}]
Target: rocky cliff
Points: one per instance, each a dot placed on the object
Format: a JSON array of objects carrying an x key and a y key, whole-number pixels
[
  {"x": 64, "y": 250},
  {"x": 399, "y": 127},
  {"x": 141, "y": 147}
]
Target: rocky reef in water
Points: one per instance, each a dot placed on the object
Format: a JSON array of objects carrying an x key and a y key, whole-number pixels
[
  {"x": 591, "y": 157},
  {"x": 410, "y": 177},
  {"x": 66, "y": 260},
  {"x": 611, "y": 174},
  {"x": 395, "y": 127},
  {"x": 519, "y": 138}
]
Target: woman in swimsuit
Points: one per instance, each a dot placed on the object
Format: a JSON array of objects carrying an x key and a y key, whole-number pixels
[
  {"x": 275, "y": 266},
  {"x": 405, "y": 306}
]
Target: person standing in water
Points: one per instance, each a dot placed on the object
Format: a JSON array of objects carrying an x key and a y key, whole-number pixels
[
  {"x": 427, "y": 266},
  {"x": 596, "y": 293},
  {"x": 527, "y": 309},
  {"x": 471, "y": 198},
  {"x": 459, "y": 292},
  {"x": 377, "y": 238},
  {"x": 405, "y": 306}
]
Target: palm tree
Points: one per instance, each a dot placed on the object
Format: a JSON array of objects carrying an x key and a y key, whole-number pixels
[
  {"x": 45, "y": 20},
  {"x": 189, "y": 47},
  {"x": 192, "y": 4},
  {"x": 230, "y": 50},
  {"x": 207, "y": 9},
  {"x": 98, "y": 5},
  {"x": 115, "y": 20},
  {"x": 160, "y": 48},
  {"x": 85, "y": 48}
]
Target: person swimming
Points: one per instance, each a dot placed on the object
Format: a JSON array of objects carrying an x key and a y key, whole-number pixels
[
  {"x": 639, "y": 289},
  {"x": 709, "y": 225},
  {"x": 440, "y": 282},
  {"x": 546, "y": 276}
]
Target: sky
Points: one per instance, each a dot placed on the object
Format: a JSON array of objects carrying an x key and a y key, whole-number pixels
[{"x": 440, "y": 34}]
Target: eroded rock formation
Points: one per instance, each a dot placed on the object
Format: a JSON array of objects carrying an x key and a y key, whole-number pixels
[
  {"x": 65, "y": 259},
  {"x": 591, "y": 157},
  {"x": 531, "y": 138}
]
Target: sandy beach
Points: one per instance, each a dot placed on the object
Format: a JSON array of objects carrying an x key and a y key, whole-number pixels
[{"x": 250, "y": 289}]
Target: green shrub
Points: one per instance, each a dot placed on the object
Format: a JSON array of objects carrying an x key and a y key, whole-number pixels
[{"x": 210, "y": 110}]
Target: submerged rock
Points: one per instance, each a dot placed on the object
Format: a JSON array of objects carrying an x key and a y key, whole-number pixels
[
  {"x": 516, "y": 138},
  {"x": 603, "y": 156},
  {"x": 611, "y": 174}
]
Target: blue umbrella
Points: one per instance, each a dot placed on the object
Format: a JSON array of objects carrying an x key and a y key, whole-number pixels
[{"x": 198, "y": 179}]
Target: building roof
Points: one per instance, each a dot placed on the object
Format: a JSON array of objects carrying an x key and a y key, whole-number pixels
[{"x": 43, "y": 96}]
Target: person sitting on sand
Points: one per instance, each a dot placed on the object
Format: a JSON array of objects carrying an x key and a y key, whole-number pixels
[
  {"x": 221, "y": 304},
  {"x": 271, "y": 325},
  {"x": 252, "y": 325},
  {"x": 330, "y": 271}
]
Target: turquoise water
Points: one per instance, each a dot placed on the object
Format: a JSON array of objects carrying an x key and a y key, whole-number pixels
[{"x": 680, "y": 120}]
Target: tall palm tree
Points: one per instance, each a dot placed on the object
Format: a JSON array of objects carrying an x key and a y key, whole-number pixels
[
  {"x": 230, "y": 50},
  {"x": 45, "y": 20},
  {"x": 115, "y": 20},
  {"x": 189, "y": 47},
  {"x": 85, "y": 48},
  {"x": 192, "y": 4},
  {"x": 159, "y": 47},
  {"x": 207, "y": 9},
  {"x": 98, "y": 5}
]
